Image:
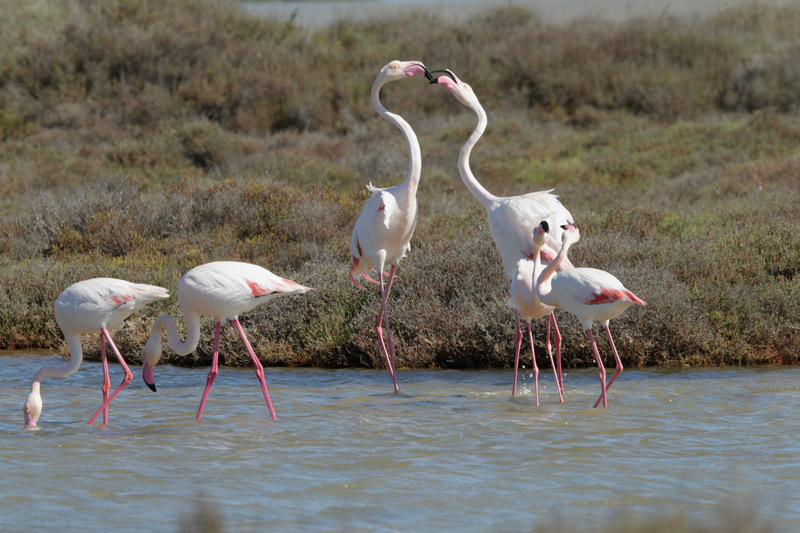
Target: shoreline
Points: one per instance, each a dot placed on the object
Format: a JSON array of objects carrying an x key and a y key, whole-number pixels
[{"x": 316, "y": 14}]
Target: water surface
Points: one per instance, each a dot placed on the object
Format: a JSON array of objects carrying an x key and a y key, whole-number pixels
[{"x": 454, "y": 451}]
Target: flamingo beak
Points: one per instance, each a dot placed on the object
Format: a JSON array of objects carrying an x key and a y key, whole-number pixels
[
  {"x": 435, "y": 80},
  {"x": 428, "y": 73},
  {"x": 546, "y": 226},
  {"x": 148, "y": 376}
]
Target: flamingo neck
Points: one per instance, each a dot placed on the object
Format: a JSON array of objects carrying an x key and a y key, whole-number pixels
[
  {"x": 472, "y": 184},
  {"x": 414, "y": 154},
  {"x": 167, "y": 324},
  {"x": 75, "y": 360},
  {"x": 544, "y": 274}
]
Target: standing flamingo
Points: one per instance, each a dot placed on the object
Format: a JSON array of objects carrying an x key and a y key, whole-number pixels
[
  {"x": 525, "y": 302},
  {"x": 382, "y": 234},
  {"x": 511, "y": 222},
  {"x": 85, "y": 307},
  {"x": 223, "y": 290},
  {"x": 588, "y": 293}
]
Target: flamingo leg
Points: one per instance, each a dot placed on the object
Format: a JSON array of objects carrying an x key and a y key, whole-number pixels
[
  {"x": 601, "y": 369},
  {"x": 386, "y": 314},
  {"x": 618, "y": 370},
  {"x": 379, "y": 328},
  {"x": 557, "y": 341},
  {"x": 552, "y": 364},
  {"x": 371, "y": 280},
  {"x": 258, "y": 365},
  {"x": 535, "y": 366},
  {"x": 125, "y": 380},
  {"x": 106, "y": 378},
  {"x": 517, "y": 346},
  {"x": 212, "y": 374}
]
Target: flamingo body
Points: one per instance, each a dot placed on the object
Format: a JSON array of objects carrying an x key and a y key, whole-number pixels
[
  {"x": 223, "y": 290},
  {"x": 511, "y": 221},
  {"x": 523, "y": 297},
  {"x": 591, "y": 295},
  {"x": 383, "y": 230},
  {"x": 93, "y": 304},
  {"x": 88, "y": 306},
  {"x": 227, "y": 289},
  {"x": 588, "y": 293}
]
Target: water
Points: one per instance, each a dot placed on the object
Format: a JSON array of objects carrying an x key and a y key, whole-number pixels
[
  {"x": 316, "y": 14},
  {"x": 453, "y": 452}
]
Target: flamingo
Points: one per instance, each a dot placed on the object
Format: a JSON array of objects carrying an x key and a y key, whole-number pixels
[
  {"x": 511, "y": 223},
  {"x": 588, "y": 293},
  {"x": 223, "y": 290},
  {"x": 525, "y": 302},
  {"x": 85, "y": 307},
  {"x": 382, "y": 233}
]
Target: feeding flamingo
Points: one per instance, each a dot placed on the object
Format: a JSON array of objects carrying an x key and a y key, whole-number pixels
[
  {"x": 382, "y": 234},
  {"x": 588, "y": 293},
  {"x": 85, "y": 307},
  {"x": 223, "y": 290},
  {"x": 511, "y": 223}
]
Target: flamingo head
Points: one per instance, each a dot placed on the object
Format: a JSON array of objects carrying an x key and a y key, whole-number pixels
[
  {"x": 397, "y": 70},
  {"x": 150, "y": 356},
  {"x": 571, "y": 234},
  {"x": 540, "y": 234},
  {"x": 462, "y": 91},
  {"x": 33, "y": 407}
]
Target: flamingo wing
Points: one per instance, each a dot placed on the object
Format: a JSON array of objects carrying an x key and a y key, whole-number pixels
[
  {"x": 512, "y": 221},
  {"x": 590, "y": 286}
]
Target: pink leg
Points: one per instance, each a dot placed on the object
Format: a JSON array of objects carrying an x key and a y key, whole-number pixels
[
  {"x": 389, "y": 341},
  {"x": 259, "y": 367},
  {"x": 212, "y": 374},
  {"x": 127, "y": 379},
  {"x": 518, "y": 345},
  {"x": 106, "y": 377},
  {"x": 557, "y": 340},
  {"x": 552, "y": 364},
  {"x": 601, "y": 368},
  {"x": 379, "y": 328},
  {"x": 618, "y": 370},
  {"x": 535, "y": 366}
]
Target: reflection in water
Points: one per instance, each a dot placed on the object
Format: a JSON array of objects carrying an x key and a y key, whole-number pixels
[{"x": 454, "y": 451}]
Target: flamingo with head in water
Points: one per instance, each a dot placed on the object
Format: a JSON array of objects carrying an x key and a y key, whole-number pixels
[
  {"x": 382, "y": 233},
  {"x": 223, "y": 290},
  {"x": 85, "y": 307},
  {"x": 511, "y": 223},
  {"x": 588, "y": 293}
]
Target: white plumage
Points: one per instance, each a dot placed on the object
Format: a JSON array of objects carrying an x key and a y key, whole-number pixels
[
  {"x": 222, "y": 290},
  {"x": 382, "y": 233},
  {"x": 97, "y": 304},
  {"x": 588, "y": 293},
  {"x": 511, "y": 221}
]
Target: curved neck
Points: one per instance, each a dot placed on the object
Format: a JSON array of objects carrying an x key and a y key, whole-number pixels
[
  {"x": 543, "y": 275},
  {"x": 75, "y": 360},
  {"x": 414, "y": 155},
  {"x": 173, "y": 337},
  {"x": 477, "y": 190}
]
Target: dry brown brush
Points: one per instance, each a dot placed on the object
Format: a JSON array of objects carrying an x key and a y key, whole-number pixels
[{"x": 139, "y": 139}]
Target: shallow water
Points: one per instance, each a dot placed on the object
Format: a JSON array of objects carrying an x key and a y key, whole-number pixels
[{"x": 453, "y": 451}]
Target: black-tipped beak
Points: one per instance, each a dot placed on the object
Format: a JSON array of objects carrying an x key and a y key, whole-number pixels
[
  {"x": 442, "y": 71},
  {"x": 152, "y": 386},
  {"x": 428, "y": 74},
  {"x": 546, "y": 226},
  {"x": 563, "y": 226}
]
